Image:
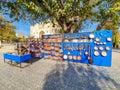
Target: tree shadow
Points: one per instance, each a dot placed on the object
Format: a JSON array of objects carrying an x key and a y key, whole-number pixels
[{"x": 76, "y": 77}]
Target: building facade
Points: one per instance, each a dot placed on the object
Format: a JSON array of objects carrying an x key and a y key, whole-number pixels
[{"x": 44, "y": 28}]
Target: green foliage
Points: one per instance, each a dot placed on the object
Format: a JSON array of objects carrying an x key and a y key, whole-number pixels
[
  {"x": 16, "y": 40},
  {"x": 69, "y": 14},
  {"x": 111, "y": 26},
  {"x": 108, "y": 12},
  {"x": 7, "y": 30}
]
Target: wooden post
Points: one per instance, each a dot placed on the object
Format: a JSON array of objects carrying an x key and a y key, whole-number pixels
[
  {"x": 4, "y": 59},
  {"x": 20, "y": 64},
  {"x": 11, "y": 61}
]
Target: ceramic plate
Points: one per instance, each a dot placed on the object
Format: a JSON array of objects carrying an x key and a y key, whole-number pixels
[
  {"x": 70, "y": 57},
  {"x": 95, "y": 48},
  {"x": 109, "y": 39},
  {"x": 97, "y": 39},
  {"x": 101, "y": 43},
  {"x": 65, "y": 56},
  {"x": 86, "y": 53},
  {"x": 74, "y": 40},
  {"x": 104, "y": 53},
  {"x": 104, "y": 43},
  {"x": 68, "y": 52},
  {"x": 79, "y": 58},
  {"x": 107, "y": 48},
  {"x": 91, "y": 35},
  {"x": 96, "y": 53},
  {"x": 101, "y": 48},
  {"x": 75, "y": 57},
  {"x": 95, "y": 42}
]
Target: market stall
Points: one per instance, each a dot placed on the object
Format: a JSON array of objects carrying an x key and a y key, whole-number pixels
[{"x": 86, "y": 47}]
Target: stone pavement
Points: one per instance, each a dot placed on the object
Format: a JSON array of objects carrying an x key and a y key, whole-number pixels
[{"x": 55, "y": 75}]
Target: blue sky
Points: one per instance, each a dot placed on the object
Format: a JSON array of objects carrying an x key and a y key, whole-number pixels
[{"x": 22, "y": 27}]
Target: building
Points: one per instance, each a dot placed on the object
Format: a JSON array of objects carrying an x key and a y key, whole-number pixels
[
  {"x": 44, "y": 28},
  {"x": 20, "y": 36}
]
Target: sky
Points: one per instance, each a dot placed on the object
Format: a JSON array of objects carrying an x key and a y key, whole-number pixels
[{"x": 22, "y": 27}]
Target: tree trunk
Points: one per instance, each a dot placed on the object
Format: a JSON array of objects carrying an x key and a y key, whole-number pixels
[{"x": 102, "y": 23}]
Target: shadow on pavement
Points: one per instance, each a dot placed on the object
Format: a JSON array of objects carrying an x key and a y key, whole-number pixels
[{"x": 76, "y": 77}]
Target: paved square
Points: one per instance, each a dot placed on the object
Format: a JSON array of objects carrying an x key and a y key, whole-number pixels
[{"x": 55, "y": 75}]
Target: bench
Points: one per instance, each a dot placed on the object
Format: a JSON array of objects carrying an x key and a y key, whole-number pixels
[{"x": 17, "y": 58}]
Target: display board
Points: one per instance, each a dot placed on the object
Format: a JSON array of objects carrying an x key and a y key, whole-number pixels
[
  {"x": 86, "y": 47},
  {"x": 102, "y": 48}
]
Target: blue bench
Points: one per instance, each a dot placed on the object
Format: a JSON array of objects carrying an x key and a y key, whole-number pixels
[{"x": 17, "y": 58}]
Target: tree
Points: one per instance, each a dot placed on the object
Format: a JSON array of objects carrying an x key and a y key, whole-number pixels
[
  {"x": 69, "y": 14},
  {"x": 108, "y": 11},
  {"x": 7, "y": 30}
]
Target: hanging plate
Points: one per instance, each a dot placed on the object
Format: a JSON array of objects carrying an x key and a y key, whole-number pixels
[
  {"x": 75, "y": 40},
  {"x": 97, "y": 39},
  {"x": 104, "y": 43},
  {"x": 86, "y": 53},
  {"x": 101, "y": 43},
  {"x": 109, "y": 39},
  {"x": 104, "y": 53},
  {"x": 91, "y": 35},
  {"x": 95, "y": 42},
  {"x": 96, "y": 53},
  {"x": 70, "y": 57},
  {"x": 68, "y": 53},
  {"x": 107, "y": 48},
  {"x": 75, "y": 57},
  {"x": 65, "y": 57},
  {"x": 95, "y": 48},
  {"x": 101, "y": 48},
  {"x": 79, "y": 58}
]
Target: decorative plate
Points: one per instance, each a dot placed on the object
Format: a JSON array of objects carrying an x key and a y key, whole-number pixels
[
  {"x": 68, "y": 53},
  {"x": 75, "y": 40},
  {"x": 107, "y": 48},
  {"x": 96, "y": 53},
  {"x": 95, "y": 48},
  {"x": 97, "y": 39},
  {"x": 95, "y": 42},
  {"x": 101, "y": 48},
  {"x": 104, "y": 43},
  {"x": 109, "y": 39},
  {"x": 75, "y": 57},
  {"x": 86, "y": 53},
  {"x": 91, "y": 35},
  {"x": 79, "y": 58},
  {"x": 104, "y": 53},
  {"x": 65, "y": 56},
  {"x": 70, "y": 57},
  {"x": 101, "y": 43}
]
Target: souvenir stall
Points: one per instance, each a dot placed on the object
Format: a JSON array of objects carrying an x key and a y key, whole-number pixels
[
  {"x": 36, "y": 48},
  {"x": 52, "y": 46},
  {"x": 77, "y": 47},
  {"x": 87, "y": 47}
]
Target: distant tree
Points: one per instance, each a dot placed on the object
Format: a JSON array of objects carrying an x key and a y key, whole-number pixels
[
  {"x": 107, "y": 11},
  {"x": 7, "y": 30}
]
